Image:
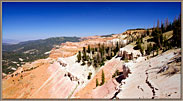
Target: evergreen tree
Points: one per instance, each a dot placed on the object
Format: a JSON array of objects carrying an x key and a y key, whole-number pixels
[
  {"x": 157, "y": 51},
  {"x": 93, "y": 50},
  {"x": 98, "y": 58},
  {"x": 138, "y": 44},
  {"x": 107, "y": 49},
  {"x": 177, "y": 32},
  {"x": 88, "y": 49},
  {"x": 156, "y": 36},
  {"x": 84, "y": 54},
  {"x": 103, "y": 78},
  {"x": 117, "y": 48},
  {"x": 165, "y": 43},
  {"x": 142, "y": 50},
  {"x": 96, "y": 49},
  {"x": 166, "y": 24},
  {"x": 149, "y": 49},
  {"x": 162, "y": 28},
  {"x": 103, "y": 49},
  {"x": 161, "y": 39},
  {"x": 148, "y": 33},
  {"x": 158, "y": 24},
  {"x": 153, "y": 49},
  {"x": 169, "y": 27},
  {"x": 109, "y": 56},
  {"x": 79, "y": 56},
  {"x": 97, "y": 82},
  {"x": 95, "y": 65}
]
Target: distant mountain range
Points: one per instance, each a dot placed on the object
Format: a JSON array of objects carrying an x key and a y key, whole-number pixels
[
  {"x": 40, "y": 44},
  {"x": 10, "y": 41},
  {"x": 29, "y": 50}
]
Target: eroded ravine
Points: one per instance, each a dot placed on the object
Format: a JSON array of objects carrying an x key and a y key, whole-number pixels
[{"x": 150, "y": 85}]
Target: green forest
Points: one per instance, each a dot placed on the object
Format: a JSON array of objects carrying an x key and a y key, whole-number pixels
[
  {"x": 12, "y": 53},
  {"x": 96, "y": 56}
]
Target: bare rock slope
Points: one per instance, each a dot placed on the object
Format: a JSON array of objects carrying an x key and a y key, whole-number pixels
[{"x": 60, "y": 76}]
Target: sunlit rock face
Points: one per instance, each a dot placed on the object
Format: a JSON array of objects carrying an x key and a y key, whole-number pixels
[{"x": 60, "y": 76}]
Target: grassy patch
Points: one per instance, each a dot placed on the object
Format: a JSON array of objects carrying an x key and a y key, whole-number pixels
[{"x": 168, "y": 34}]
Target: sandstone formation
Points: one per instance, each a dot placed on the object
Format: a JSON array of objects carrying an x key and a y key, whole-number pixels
[{"x": 60, "y": 76}]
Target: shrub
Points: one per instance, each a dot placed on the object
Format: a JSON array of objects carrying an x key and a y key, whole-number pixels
[
  {"x": 89, "y": 63},
  {"x": 83, "y": 63},
  {"x": 149, "y": 49},
  {"x": 89, "y": 75},
  {"x": 126, "y": 60},
  {"x": 115, "y": 74}
]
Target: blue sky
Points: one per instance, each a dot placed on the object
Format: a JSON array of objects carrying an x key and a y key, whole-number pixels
[{"x": 38, "y": 20}]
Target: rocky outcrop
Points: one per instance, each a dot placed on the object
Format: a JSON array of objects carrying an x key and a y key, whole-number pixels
[
  {"x": 72, "y": 77},
  {"x": 127, "y": 55},
  {"x": 124, "y": 74},
  {"x": 61, "y": 62}
]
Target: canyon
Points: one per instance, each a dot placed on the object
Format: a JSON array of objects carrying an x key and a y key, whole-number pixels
[{"x": 60, "y": 76}]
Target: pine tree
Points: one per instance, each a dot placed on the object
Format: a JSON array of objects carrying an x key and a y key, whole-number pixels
[
  {"x": 95, "y": 62},
  {"x": 149, "y": 49},
  {"x": 157, "y": 36},
  {"x": 96, "y": 49},
  {"x": 79, "y": 56},
  {"x": 161, "y": 39},
  {"x": 139, "y": 44},
  {"x": 84, "y": 54},
  {"x": 103, "y": 49},
  {"x": 99, "y": 58},
  {"x": 153, "y": 49},
  {"x": 166, "y": 24},
  {"x": 88, "y": 49},
  {"x": 148, "y": 33},
  {"x": 117, "y": 48},
  {"x": 158, "y": 24},
  {"x": 97, "y": 82},
  {"x": 162, "y": 28},
  {"x": 107, "y": 49},
  {"x": 157, "y": 51},
  {"x": 177, "y": 32},
  {"x": 109, "y": 54},
  {"x": 93, "y": 50},
  {"x": 142, "y": 50},
  {"x": 103, "y": 78}
]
